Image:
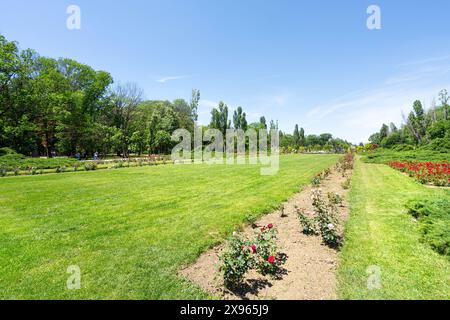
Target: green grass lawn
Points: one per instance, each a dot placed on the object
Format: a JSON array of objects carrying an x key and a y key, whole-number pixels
[
  {"x": 130, "y": 230},
  {"x": 381, "y": 233}
]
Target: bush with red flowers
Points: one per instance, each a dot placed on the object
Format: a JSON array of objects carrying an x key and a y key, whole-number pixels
[
  {"x": 243, "y": 255},
  {"x": 236, "y": 261},
  {"x": 433, "y": 173},
  {"x": 265, "y": 261}
]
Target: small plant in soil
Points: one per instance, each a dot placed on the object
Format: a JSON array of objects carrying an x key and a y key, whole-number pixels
[
  {"x": 308, "y": 223},
  {"x": 330, "y": 235},
  {"x": 316, "y": 180},
  {"x": 335, "y": 199},
  {"x": 236, "y": 261},
  {"x": 324, "y": 222},
  {"x": 346, "y": 184},
  {"x": 251, "y": 218},
  {"x": 242, "y": 255},
  {"x": 283, "y": 212},
  {"x": 266, "y": 250}
]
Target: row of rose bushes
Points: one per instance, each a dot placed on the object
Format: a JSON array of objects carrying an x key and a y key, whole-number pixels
[
  {"x": 90, "y": 165},
  {"x": 434, "y": 173},
  {"x": 243, "y": 254},
  {"x": 261, "y": 253},
  {"x": 323, "y": 220}
]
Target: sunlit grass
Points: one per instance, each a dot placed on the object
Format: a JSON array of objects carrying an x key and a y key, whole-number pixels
[
  {"x": 380, "y": 233},
  {"x": 130, "y": 230}
]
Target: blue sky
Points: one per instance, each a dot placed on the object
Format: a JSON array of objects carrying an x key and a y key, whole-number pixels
[{"x": 314, "y": 63}]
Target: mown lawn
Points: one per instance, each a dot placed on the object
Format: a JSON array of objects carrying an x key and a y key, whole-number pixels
[
  {"x": 380, "y": 233},
  {"x": 130, "y": 230}
]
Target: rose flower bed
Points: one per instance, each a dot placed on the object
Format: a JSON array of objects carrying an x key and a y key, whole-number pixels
[
  {"x": 437, "y": 174},
  {"x": 243, "y": 255}
]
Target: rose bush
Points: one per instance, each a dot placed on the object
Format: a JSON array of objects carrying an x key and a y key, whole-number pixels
[{"x": 242, "y": 255}]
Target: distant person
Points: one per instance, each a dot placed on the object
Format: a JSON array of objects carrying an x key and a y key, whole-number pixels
[
  {"x": 78, "y": 156},
  {"x": 95, "y": 155}
]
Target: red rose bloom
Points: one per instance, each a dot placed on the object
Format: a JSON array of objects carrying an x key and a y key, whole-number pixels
[
  {"x": 254, "y": 248},
  {"x": 270, "y": 226},
  {"x": 271, "y": 259}
]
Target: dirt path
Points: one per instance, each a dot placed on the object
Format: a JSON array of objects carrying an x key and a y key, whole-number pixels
[{"x": 310, "y": 268}]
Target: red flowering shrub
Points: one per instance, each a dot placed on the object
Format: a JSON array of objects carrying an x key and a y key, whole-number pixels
[
  {"x": 265, "y": 261},
  {"x": 437, "y": 174},
  {"x": 242, "y": 255}
]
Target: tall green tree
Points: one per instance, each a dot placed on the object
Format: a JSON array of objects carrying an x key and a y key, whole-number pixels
[
  {"x": 195, "y": 98},
  {"x": 296, "y": 137},
  {"x": 219, "y": 118}
]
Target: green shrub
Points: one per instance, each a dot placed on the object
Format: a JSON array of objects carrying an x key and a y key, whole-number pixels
[
  {"x": 329, "y": 234},
  {"x": 334, "y": 198},
  {"x": 324, "y": 222},
  {"x": 308, "y": 223},
  {"x": 118, "y": 165},
  {"x": 433, "y": 216},
  {"x": 346, "y": 184},
  {"x": 5, "y": 151},
  {"x": 90, "y": 166},
  {"x": 265, "y": 246},
  {"x": 14, "y": 160},
  {"x": 425, "y": 153},
  {"x": 61, "y": 169},
  {"x": 236, "y": 261},
  {"x": 242, "y": 255},
  {"x": 3, "y": 171},
  {"x": 316, "y": 180}
]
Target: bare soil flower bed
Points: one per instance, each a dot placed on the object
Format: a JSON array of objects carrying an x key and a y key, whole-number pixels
[{"x": 309, "y": 269}]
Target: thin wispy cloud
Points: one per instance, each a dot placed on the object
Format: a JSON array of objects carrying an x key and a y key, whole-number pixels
[
  {"x": 171, "y": 78},
  {"x": 359, "y": 114},
  {"x": 425, "y": 61}
]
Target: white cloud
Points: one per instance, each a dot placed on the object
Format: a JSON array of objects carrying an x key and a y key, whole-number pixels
[
  {"x": 359, "y": 114},
  {"x": 171, "y": 78}
]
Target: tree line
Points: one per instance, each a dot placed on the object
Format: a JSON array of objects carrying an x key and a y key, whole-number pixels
[
  {"x": 60, "y": 106},
  {"x": 421, "y": 128}
]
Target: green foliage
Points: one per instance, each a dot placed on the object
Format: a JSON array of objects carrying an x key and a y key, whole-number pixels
[
  {"x": 433, "y": 216},
  {"x": 379, "y": 233},
  {"x": 61, "y": 169},
  {"x": 334, "y": 198},
  {"x": 421, "y": 129},
  {"x": 236, "y": 260},
  {"x": 241, "y": 255},
  {"x": 3, "y": 172},
  {"x": 90, "y": 166},
  {"x": 384, "y": 156},
  {"x": 324, "y": 221},
  {"x": 17, "y": 161},
  {"x": 60, "y": 105},
  {"x": 136, "y": 234},
  {"x": 266, "y": 249},
  {"x": 7, "y": 151},
  {"x": 309, "y": 225},
  {"x": 347, "y": 184},
  {"x": 316, "y": 181},
  {"x": 219, "y": 118}
]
